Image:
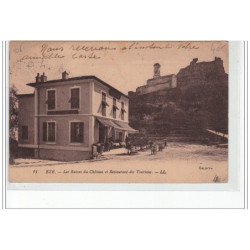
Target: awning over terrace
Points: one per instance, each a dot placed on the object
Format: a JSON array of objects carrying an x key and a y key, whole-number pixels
[
  {"x": 126, "y": 127},
  {"x": 117, "y": 125},
  {"x": 108, "y": 123}
]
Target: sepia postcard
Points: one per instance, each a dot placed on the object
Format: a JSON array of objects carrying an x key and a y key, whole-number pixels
[{"x": 118, "y": 112}]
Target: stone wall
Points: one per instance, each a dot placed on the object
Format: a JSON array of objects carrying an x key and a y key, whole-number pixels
[
  {"x": 148, "y": 89},
  {"x": 201, "y": 73},
  {"x": 64, "y": 155},
  {"x": 156, "y": 84}
]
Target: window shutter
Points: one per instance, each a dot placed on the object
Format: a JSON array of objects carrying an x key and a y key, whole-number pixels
[
  {"x": 51, "y": 134},
  {"x": 51, "y": 99},
  {"x": 53, "y": 131},
  {"x": 81, "y": 131},
  {"x": 75, "y": 100},
  {"x": 103, "y": 96},
  {"x": 72, "y": 132},
  {"x": 44, "y": 131},
  {"x": 49, "y": 131}
]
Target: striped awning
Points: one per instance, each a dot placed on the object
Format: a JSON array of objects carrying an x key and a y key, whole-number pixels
[
  {"x": 126, "y": 127},
  {"x": 108, "y": 123},
  {"x": 117, "y": 125}
]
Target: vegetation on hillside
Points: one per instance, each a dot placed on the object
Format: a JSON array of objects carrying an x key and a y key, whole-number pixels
[{"x": 193, "y": 108}]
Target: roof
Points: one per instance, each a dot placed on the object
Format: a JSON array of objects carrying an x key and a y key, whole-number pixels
[{"x": 35, "y": 84}]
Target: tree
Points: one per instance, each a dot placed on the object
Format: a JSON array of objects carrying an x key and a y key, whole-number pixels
[
  {"x": 13, "y": 122},
  {"x": 13, "y": 111}
]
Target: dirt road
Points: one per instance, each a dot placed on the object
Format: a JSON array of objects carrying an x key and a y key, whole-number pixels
[{"x": 178, "y": 163}]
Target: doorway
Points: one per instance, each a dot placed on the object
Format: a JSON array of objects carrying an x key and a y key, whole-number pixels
[{"x": 102, "y": 133}]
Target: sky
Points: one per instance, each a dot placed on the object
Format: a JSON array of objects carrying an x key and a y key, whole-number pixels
[{"x": 124, "y": 65}]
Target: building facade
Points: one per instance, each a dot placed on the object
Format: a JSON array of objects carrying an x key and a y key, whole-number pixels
[{"x": 65, "y": 117}]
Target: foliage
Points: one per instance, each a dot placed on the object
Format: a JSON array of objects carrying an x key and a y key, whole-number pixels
[
  {"x": 211, "y": 101},
  {"x": 13, "y": 111},
  {"x": 196, "y": 108}
]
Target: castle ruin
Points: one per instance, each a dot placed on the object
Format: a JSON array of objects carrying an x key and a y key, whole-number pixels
[
  {"x": 195, "y": 73},
  {"x": 158, "y": 82}
]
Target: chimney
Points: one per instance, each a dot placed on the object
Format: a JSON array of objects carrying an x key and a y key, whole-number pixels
[
  {"x": 157, "y": 68},
  {"x": 218, "y": 59},
  {"x": 38, "y": 78},
  {"x": 65, "y": 75},
  {"x": 43, "y": 77}
]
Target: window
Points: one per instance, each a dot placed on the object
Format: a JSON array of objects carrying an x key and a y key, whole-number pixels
[
  {"x": 75, "y": 98},
  {"x": 76, "y": 132},
  {"x": 122, "y": 111},
  {"x": 51, "y": 101},
  {"x": 24, "y": 132},
  {"x": 114, "y": 108},
  {"x": 104, "y": 104},
  {"x": 49, "y": 131}
]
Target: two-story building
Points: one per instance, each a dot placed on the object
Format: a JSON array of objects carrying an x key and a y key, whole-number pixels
[{"x": 65, "y": 117}]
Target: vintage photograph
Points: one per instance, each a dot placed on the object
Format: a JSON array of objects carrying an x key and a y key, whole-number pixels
[{"x": 118, "y": 112}]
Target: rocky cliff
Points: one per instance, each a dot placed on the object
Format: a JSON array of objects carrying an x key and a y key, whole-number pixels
[
  {"x": 200, "y": 101},
  {"x": 202, "y": 73}
]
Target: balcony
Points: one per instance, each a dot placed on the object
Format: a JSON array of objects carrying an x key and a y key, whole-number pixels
[{"x": 63, "y": 112}]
